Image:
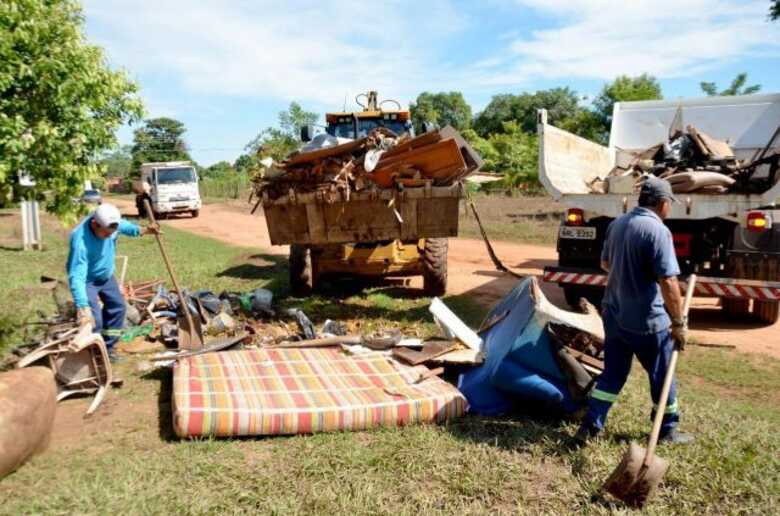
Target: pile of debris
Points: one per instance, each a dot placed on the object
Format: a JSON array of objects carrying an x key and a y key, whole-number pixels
[
  {"x": 693, "y": 162},
  {"x": 335, "y": 167}
]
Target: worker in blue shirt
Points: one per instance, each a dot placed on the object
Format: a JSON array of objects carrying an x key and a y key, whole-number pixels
[
  {"x": 91, "y": 271},
  {"x": 642, "y": 278}
]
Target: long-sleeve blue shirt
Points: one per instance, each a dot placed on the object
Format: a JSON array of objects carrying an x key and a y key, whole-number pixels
[{"x": 91, "y": 258}]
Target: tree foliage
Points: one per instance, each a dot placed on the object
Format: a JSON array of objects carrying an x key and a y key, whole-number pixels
[
  {"x": 219, "y": 170},
  {"x": 159, "y": 139},
  {"x": 441, "y": 108},
  {"x": 560, "y": 103},
  {"x": 60, "y": 103},
  {"x": 279, "y": 142},
  {"x": 774, "y": 10},
  {"x": 118, "y": 162},
  {"x": 623, "y": 89},
  {"x": 512, "y": 153},
  {"x": 737, "y": 87}
]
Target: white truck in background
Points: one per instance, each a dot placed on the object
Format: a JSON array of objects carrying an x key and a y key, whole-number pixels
[
  {"x": 730, "y": 240},
  {"x": 170, "y": 186}
]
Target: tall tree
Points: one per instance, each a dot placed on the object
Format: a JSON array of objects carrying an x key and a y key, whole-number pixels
[
  {"x": 60, "y": 102},
  {"x": 737, "y": 87},
  {"x": 441, "y": 108},
  {"x": 118, "y": 162},
  {"x": 160, "y": 139},
  {"x": 623, "y": 89},
  {"x": 560, "y": 103},
  {"x": 279, "y": 142}
]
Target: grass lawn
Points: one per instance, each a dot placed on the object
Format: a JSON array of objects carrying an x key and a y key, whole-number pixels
[
  {"x": 529, "y": 220},
  {"x": 126, "y": 460}
]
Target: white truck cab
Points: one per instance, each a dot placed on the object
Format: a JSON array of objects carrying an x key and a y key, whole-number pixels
[{"x": 170, "y": 187}]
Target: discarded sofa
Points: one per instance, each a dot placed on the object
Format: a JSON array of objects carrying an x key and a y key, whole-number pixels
[
  {"x": 282, "y": 391},
  {"x": 28, "y": 404},
  {"x": 521, "y": 366}
]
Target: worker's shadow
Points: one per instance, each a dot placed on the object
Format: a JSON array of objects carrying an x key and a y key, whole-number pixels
[{"x": 519, "y": 432}]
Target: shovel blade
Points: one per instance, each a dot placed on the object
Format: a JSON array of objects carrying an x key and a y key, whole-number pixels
[
  {"x": 190, "y": 339},
  {"x": 631, "y": 481}
]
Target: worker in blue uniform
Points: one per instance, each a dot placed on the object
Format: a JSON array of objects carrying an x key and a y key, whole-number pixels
[
  {"x": 642, "y": 309},
  {"x": 99, "y": 301}
]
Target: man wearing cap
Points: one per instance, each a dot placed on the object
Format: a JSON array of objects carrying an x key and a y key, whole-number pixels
[
  {"x": 640, "y": 259},
  {"x": 91, "y": 271}
]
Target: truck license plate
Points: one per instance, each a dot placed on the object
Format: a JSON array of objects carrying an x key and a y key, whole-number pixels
[{"x": 578, "y": 233}]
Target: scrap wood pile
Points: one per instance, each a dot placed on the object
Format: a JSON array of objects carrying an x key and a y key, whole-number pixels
[
  {"x": 694, "y": 162},
  {"x": 378, "y": 161}
]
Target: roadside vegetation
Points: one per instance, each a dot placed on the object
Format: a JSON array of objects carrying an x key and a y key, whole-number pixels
[{"x": 125, "y": 459}]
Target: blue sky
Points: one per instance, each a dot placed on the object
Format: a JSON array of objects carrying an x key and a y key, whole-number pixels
[{"x": 226, "y": 68}]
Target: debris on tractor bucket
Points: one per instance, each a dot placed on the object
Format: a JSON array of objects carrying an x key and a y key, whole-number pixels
[{"x": 380, "y": 187}]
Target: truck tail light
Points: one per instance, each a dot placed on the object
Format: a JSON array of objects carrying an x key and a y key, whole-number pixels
[
  {"x": 758, "y": 221},
  {"x": 682, "y": 244},
  {"x": 575, "y": 217}
]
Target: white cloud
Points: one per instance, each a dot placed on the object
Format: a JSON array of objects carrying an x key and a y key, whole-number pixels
[
  {"x": 600, "y": 39},
  {"x": 306, "y": 50}
]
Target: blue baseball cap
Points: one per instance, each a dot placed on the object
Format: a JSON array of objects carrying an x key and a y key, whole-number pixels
[{"x": 657, "y": 188}]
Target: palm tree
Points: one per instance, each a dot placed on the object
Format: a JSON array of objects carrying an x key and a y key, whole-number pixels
[{"x": 737, "y": 87}]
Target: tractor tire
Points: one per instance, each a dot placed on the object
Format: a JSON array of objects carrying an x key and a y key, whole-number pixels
[
  {"x": 195, "y": 214},
  {"x": 300, "y": 270},
  {"x": 434, "y": 264}
]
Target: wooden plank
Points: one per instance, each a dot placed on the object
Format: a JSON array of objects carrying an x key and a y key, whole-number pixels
[
  {"x": 419, "y": 141},
  {"x": 328, "y": 152},
  {"x": 718, "y": 149},
  {"x": 315, "y": 215},
  {"x": 438, "y": 161},
  {"x": 461, "y": 356},
  {"x": 430, "y": 350},
  {"x": 586, "y": 359},
  {"x": 408, "y": 210}
]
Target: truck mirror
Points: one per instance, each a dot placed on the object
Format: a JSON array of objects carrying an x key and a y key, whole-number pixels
[{"x": 307, "y": 133}]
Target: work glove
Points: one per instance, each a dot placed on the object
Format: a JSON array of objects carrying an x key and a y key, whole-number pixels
[
  {"x": 680, "y": 332},
  {"x": 84, "y": 317}
]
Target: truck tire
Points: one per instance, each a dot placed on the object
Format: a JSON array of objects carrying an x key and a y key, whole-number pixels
[
  {"x": 434, "y": 265},
  {"x": 762, "y": 269},
  {"x": 195, "y": 214},
  {"x": 769, "y": 270},
  {"x": 300, "y": 270}
]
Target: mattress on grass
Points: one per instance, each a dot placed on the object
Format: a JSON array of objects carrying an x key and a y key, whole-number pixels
[{"x": 301, "y": 391}]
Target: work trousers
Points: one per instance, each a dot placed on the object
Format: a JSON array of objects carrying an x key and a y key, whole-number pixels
[
  {"x": 110, "y": 317},
  {"x": 653, "y": 351}
]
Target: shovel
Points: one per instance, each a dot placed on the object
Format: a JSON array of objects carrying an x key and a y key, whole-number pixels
[
  {"x": 190, "y": 334},
  {"x": 640, "y": 471}
]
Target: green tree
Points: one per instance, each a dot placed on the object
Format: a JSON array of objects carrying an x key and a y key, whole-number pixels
[
  {"x": 279, "y": 142},
  {"x": 219, "y": 170},
  {"x": 511, "y": 152},
  {"x": 623, "y": 89},
  {"x": 774, "y": 10},
  {"x": 160, "y": 139},
  {"x": 117, "y": 162},
  {"x": 441, "y": 108},
  {"x": 60, "y": 102},
  {"x": 737, "y": 87},
  {"x": 561, "y": 104}
]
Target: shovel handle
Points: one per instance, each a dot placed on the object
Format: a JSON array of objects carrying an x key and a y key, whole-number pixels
[
  {"x": 169, "y": 266},
  {"x": 661, "y": 407}
]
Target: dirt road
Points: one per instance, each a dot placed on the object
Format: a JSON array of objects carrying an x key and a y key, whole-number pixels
[{"x": 471, "y": 272}]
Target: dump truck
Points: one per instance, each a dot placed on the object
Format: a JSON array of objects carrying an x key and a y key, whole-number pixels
[
  {"x": 170, "y": 186},
  {"x": 371, "y": 233},
  {"x": 730, "y": 240}
]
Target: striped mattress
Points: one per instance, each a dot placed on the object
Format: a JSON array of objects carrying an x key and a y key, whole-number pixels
[{"x": 301, "y": 391}]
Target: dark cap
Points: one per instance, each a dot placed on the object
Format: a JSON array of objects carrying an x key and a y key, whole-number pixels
[{"x": 657, "y": 189}]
